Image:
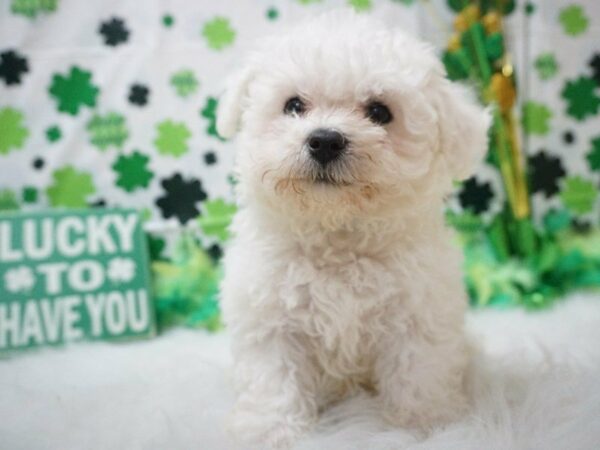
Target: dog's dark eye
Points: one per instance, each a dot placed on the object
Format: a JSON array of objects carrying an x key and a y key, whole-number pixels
[
  {"x": 379, "y": 113},
  {"x": 294, "y": 106}
]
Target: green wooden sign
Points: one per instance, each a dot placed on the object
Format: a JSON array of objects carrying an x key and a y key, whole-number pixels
[{"x": 73, "y": 275}]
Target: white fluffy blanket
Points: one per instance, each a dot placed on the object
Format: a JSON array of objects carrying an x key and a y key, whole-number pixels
[{"x": 535, "y": 385}]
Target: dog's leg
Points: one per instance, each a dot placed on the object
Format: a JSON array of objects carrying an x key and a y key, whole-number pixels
[
  {"x": 421, "y": 379},
  {"x": 275, "y": 382}
]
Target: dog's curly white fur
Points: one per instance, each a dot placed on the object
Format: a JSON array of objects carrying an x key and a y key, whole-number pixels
[{"x": 344, "y": 276}]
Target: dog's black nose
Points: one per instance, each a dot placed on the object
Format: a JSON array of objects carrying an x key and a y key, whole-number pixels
[{"x": 325, "y": 145}]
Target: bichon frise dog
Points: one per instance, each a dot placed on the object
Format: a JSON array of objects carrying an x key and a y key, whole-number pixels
[{"x": 342, "y": 274}]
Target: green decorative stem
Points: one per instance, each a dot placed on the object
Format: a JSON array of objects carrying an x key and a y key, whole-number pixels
[{"x": 476, "y": 34}]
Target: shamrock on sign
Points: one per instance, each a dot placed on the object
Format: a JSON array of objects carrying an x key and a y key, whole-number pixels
[
  {"x": 19, "y": 279},
  {"x": 121, "y": 270}
]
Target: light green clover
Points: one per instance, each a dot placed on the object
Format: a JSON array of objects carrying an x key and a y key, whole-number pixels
[
  {"x": 218, "y": 33},
  {"x": 8, "y": 200},
  {"x": 13, "y": 133},
  {"x": 107, "y": 130},
  {"x": 172, "y": 138},
  {"x": 546, "y": 65},
  {"x": 360, "y": 5},
  {"x": 535, "y": 118},
  {"x": 578, "y": 194},
  {"x": 216, "y": 217},
  {"x": 70, "y": 188},
  {"x": 184, "y": 82},
  {"x": 573, "y": 20},
  {"x": 31, "y": 8}
]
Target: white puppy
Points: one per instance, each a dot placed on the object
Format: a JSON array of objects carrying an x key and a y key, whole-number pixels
[{"x": 342, "y": 273}]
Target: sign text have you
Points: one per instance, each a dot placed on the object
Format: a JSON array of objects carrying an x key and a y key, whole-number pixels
[{"x": 72, "y": 275}]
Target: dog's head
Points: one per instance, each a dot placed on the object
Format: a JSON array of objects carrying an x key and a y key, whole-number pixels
[{"x": 342, "y": 118}]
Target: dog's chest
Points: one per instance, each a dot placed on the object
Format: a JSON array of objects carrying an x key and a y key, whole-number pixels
[{"x": 341, "y": 301}]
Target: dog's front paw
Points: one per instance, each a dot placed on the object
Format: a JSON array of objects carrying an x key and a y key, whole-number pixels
[{"x": 265, "y": 430}]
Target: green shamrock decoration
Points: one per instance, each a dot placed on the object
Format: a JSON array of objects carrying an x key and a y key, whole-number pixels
[
  {"x": 573, "y": 20},
  {"x": 557, "y": 220},
  {"x": 210, "y": 113},
  {"x": 184, "y": 82},
  {"x": 505, "y": 6},
  {"x": 30, "y": 194},
  {"x": 581, "y": 98},
  {"x": 578, "y": 194},
  {"x": 31, "y": 8},
  {"x": 272, "y": 13},
  {"x": 186, "y": 287},
  {"x": 535, "y": 118},
  {"x": 232, "y": 180},
  {"x": 172, "y": 138},
  {"x": 156, "y": 246},
  {"x": 494, "y": 45},
  {"x": 216, "y": 217},
  {"x": 529, "y": 8},
  {"x": 546, "y": 66},
  {"x": 8, "y": 200},
  {"x": 132, "y": 171},
  {"x": 73, "y": 91},
  {"x": 145, "y": 214},
  {"x": 168, "y": 20},
  {"x": 218, "y": 33},
  {"x": 107, "y": 130},
  {"x": 593, "y": 155},
  {"x": 53, "y": 133},
  {"x": 13, "y": 133},
  {"x": 360, "y": 5},
  {"x": 308, "y": 2},
  {"x": 70, "y": 188}
]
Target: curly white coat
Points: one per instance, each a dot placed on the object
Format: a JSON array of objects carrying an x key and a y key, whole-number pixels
[{"x": 330, "y": 287}]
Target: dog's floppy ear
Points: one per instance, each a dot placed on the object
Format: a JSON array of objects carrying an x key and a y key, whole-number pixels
[
  {"x": 463, "y": 124},
  {"x": 231, "y": 103}
]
